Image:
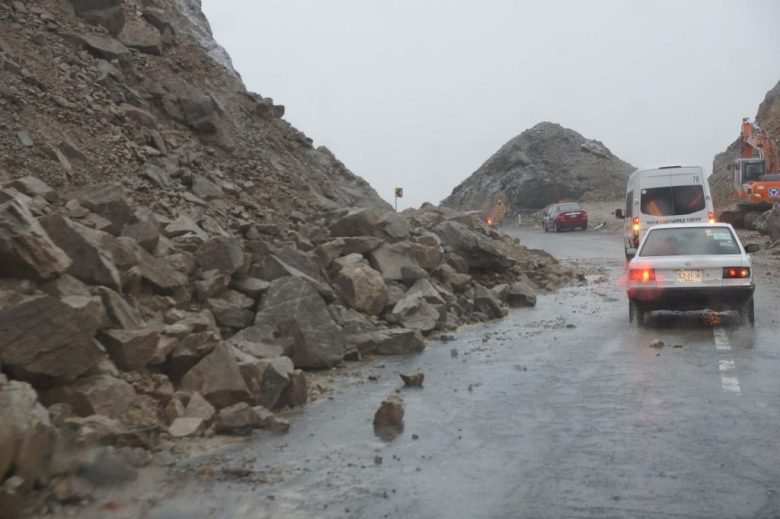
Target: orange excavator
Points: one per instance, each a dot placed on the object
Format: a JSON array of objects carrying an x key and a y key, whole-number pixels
[{"x": 756, "y": 175}]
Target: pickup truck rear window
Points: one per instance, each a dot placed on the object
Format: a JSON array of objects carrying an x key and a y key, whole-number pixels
[{"x": 668, "y": 201}]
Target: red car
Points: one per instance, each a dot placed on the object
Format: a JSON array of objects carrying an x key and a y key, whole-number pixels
[{"x": 568, "y": 215}]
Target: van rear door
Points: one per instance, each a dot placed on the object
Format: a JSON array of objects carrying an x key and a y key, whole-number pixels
[{"x": 689, "y": 196}]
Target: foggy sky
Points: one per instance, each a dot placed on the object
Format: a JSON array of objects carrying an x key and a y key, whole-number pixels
[{"x": 419, "y": 93}]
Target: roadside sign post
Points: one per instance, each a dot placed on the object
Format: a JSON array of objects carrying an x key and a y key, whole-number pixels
[{"x": 399, "y": 193}]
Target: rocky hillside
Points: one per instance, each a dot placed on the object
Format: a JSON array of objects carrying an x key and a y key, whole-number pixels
[
  {"x": 768, "y": 118},
  {"x": 174, "y": 256},
  {"x": 144, "y": 97},
  {"x": 542, "y": 165}
]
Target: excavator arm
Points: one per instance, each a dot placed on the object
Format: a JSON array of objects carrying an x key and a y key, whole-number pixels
[{"x": 757, "y": 141}]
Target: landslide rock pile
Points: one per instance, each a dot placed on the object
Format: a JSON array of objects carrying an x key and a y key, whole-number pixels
[
  {"x": 544, "y": 164},
  {"x": 122, "y": 325},
  {"x": 174, "y": 256},
  {"x": 768, "y": 118},
  {"x": 96, "y": 91}
]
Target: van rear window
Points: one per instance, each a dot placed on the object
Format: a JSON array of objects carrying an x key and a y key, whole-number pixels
[{"x": 667, "y": 201}]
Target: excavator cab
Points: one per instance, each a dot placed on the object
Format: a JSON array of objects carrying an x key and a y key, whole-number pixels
[{"x": 748, "y": 170}]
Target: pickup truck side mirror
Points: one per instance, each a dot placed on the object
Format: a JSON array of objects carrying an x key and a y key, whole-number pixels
[
  {"x": 619, "y": 213},
  {"x": 753, "y": 247}
]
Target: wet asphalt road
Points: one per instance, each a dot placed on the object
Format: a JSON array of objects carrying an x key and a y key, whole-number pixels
[{"x": 558, "y": 411}]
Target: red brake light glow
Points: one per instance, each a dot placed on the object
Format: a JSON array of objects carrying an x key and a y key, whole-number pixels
[
  {"x": 736, "y": 272},
  {"x": 643, "y": 275},
  {"x": 711, "y": 217}
]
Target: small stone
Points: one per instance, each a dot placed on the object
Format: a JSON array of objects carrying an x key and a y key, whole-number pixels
[
  {"x": 390, "y": 412},
  {"x": 658, "y": 344},
  {"x": 377, "y": 460},
  {"x": 454, "y": 353},
  {"x": 413, "y": 380}
]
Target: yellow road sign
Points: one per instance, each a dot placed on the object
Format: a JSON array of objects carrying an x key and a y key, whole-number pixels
[{"x": 399, "y": 192}]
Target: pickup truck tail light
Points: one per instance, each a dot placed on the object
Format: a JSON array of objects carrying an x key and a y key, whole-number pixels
[{"x": 736, "y": 272}]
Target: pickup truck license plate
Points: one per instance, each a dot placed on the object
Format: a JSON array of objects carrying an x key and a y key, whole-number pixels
[{"x": 688, "y": 276}]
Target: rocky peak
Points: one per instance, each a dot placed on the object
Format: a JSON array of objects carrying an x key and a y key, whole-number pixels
[{"x": 544, "y": 164}]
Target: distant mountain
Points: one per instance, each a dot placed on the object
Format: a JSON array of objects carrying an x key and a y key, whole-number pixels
[{"x": 543, "y": 165}]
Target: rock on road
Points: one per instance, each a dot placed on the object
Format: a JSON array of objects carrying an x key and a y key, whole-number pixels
[{"x": 562, "y": 410}]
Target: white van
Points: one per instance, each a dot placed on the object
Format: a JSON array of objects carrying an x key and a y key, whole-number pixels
[{"x": 666, "y": 194}]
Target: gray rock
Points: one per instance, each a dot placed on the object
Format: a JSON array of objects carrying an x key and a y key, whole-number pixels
[
  {"x": 103, "y": 46},
  {"x": 415, "y": 313},
  {"x": 479, "y": 251},
  {"x": 106, "y": 13},
  {"x": 200, "y": 113},
  {"x": 130, "y": 349},
  {"x": 33, "y": 186},
  {"x": 258, "y": 341},
  {"x": 266, "y": 378},
  {"x": 391, "y": 258},
  {"x": 205, "y": 188},
  {"x": 362, "y": 288},
  {"x": 211, "y": 283},
  {"x": 218, "y": 378},
  {"x": 187, "y": 426},
  {"x": 199, "y": 407},
  {"x": 144, "y": 233},
  {"x": 229, "y": 314},
  {"x": 26, "y": 250},
  {"x": 388, "y": 342},
  {"x": 27, "y": 438},
  {"x": 43, "y": 339},
  {"x": 299, "y": 312},
  {"x": 157, "y": 176},
  {"x": 249, "y": 286},
  {"x": 99, "y": 394},
  {"x": 221, "y": 253},
  {"x": 357, "y": 222},
  {"x": 84, "y": 246},
  {"x": 521, "y": 294},
  {"x": 486, "y": 302},
  {"x": 109, "y": 201},
  {"x": 295, "y": 393},
  {"x": 241, "y": 419}
]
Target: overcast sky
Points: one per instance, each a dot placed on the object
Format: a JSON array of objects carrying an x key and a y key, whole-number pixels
[{"x": 419, "y": 93}]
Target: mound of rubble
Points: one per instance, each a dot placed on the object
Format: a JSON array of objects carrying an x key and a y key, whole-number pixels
[
  {"x": 174, "y": 256},
  {"x": 121, "y": 326},
  {"x": 543, "y": 165}
]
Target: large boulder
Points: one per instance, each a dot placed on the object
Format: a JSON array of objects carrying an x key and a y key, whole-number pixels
[
  {"x": 84, "y": 245},
  {"x": 357, "y": 222},
  {"x": 26, "y": 250},
  {"x": 521, "y": 293},
  {"x": 109, "y": 201},
  {"x": 266, "y": 378},
  {"x": 218, "y": 378},
  {"x": 43, "y": 339},
  {"x": 106, "y": 13},
  {"x": 480, "y": 251},
  {"x": 362, "y": 288},
  {"x": 99, "y": 394},
  {"x": 388, "y": 342},
  {"x": 223, "y": 254},
  {"x": 26, "y": 434},
  {"x": 486, "y": 302},
  {"x": 296, "y": 309},
  {"x": 130, "y": 349},
  {"x": 392, "y": 258},
  {"x": 414, "y": 312}
]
